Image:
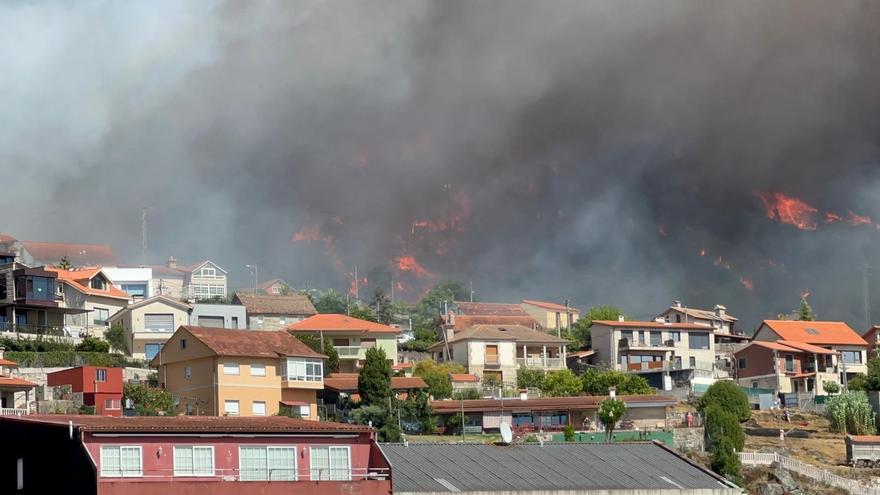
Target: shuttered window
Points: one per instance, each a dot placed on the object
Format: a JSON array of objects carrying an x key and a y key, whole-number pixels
[{"x": 156, "y": 322}]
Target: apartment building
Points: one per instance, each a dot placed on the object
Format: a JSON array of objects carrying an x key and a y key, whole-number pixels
[
  {"x": 185, "y": 455},
  {"x": 270, "y": 312},
  {"x": 92, "y": 291},
  {"x": 495, "y": 352},
  {"x": 216, "y": 371},
  {"x": 96, "y": 386},
  {"x": 664, "y": 353},
  {"x": 351, "y": 337},
  {"x": 136, "y": 282},
  {"x": 786, "y": 367},
  {"x": 549, "y": 315},
  {"x": 31, "y": 299},
  {"x": 203, "y": 280},
  {"x": 149, "y": 324}
]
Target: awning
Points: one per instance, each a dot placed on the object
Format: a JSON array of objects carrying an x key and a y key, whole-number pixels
[{"x": 294, "y": 403}]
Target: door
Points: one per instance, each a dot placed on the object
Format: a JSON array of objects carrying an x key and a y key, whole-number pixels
[
  {"x": 211, "y": 321},
  {"x": 491, "y": 354}
]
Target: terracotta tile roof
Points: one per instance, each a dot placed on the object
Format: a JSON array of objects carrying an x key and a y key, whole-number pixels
[
  {"x": 402, "y": 366},
  {"x": 489, "y": 309},
  {"x": 294, "y": 304},
  {"x": 545, "y": 403},
  {"x": 581, "y": 354},
  {"x": 78, "y": 254},
  {"x": 269, "y": 283},
  {"x": 651, "y": 324},
  {"x": 789, "y": 346},
  {"x": 460, "y": 322},
  {"x": 349, "y": 383},
  {"x": 771, "y": 345},
  {"x": 175, "y": 424},
  {"x": 80, "y": 279},
  {"x": 864, "y": 438},
  {"x": 251, "y": 343},
  {"x": 14, "y": 382},
  {"x": 463, "y": 378},
  {"x": 8, "y": 363},
  {"x": 550, "y": 306},
  {"x": 339, "y": 323},
  {"x": 814, "y": 332},
  {"x": 814, "y": 349}
]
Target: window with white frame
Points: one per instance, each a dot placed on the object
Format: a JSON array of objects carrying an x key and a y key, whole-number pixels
[
  {"x": 100, "y": 375},
  {"x": 208, "y": 271},
  {"x": 121, "y": 461},
  {"x": 230, "y": 407},
  {"x": 112, "y": 404},
  {"x": 193, "y": 460},
  {"x": 306, "y": 370},
  {"x": 331, "y": 463},
  {"x": 230, "y": 369},
  {"x": 258, "y": 369},
  {"x": 267, "y": 463},
  {"x": 258, "y": 408}
]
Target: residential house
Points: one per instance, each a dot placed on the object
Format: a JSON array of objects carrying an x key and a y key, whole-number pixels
[
  {"x": 872, "y": 337},
  {"x": 136, "y": 282},
  {"x": 550, "y": 315},
  {"x": 723, "y": 324},
  {"x": 273, "y": 287},
  {"x": 463, "y": 381},
  {"x": 786, "y": 367},
  {"x": 203, "y": 280},
  {"x": 851, "y": 350},
  {"x": 150, "y": 323},
  {"x": 99, "y": 387},
  {"x": 36, "y": 253},
  {"x": 461, "y": 315},
  {"x": 217, "y": 371},
  {"x": 351, "y": 337},
  {"x": 663, "y": 353},
  {"x": 93, "y": 292},
  {"x": 31, "y": 299},
  {"x": 495, "y": 352},
  {"x": 265, "y": 312},
  {"x": 346, "y": 385},
  {"x": 554, "y": 413},
  {"x": 218, "y": 315},
  {"x": 15, "y": 392},
  {"x": 185, "y": 455},
  {"x": 549, "y": 468}
]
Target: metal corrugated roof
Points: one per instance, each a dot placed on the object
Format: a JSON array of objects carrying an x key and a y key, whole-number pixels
[{"x": 420, "y": 468}]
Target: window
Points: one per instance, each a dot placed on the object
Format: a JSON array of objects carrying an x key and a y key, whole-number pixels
[
  {"x": 698, "y": 340},
  {"x": 230, "y": 369},
  {"x": 230, "y": 407},
  {"x": 558, "y": 319},
  {"x": 258, "y": 369},
  {"x": 121, "y": 461},
  {"x": 851, "y": 357},
  {"x": 99, "y": 283},
  {"x": 282, "y": 320},
  {"x": 137, "y": 291},
  {"x": 267, "y": 463},
  {"x": 100, "y": 375},
  {"x": 159, "y": 322},
  {"x": 331, "y": 463},
  {"x": 305, "y": 411},
  {"x": 234, "y": 322},
  {"x": 193, "y": 460},
  {"x": 187, "y": 372},
  {"x": 340, "y": 342},
  {"x": 678, "y": 318},
  {"x": 258, "y": 408},
  {"x": 183, "y": 343},
  {"x": 656, "y": 338},
  {"x": 675, "y": 336},
  {"x": 742, "y": 363},
  {"x": 677, "y": 361},
  {"x": 38, "y": 288},
  {"x": 101, "y": 316},
  {"x": 754, "y": 384},
  {"x": 692, "y": 361},
  {"x": 309, "y": 370},
  {"x": 627, "y": 334},
  {"x": 789, "y": 363},
  {"x": 208, "y": 272},
  {"x": 368, "y": 343},
  {"x": 112, "y": 404},
  {"x": 150, "y": 350},
  {"x": 189, "y": 408}
]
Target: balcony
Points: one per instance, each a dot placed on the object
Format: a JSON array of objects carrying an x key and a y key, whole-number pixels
[
  {"x": 492, "y": 363},
  {"x": 538, "y": 362},
  {"x": 641, "y": 345},
  {"x": 54, "y": 330},
  {"x": 655, "y": 366},
  {"x": 348, "y": 351}
]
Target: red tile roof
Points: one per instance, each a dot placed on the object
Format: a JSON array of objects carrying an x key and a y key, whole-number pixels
[
  {"x": 78, "y": 254},
  {"x": 349, "y": 383},
  {"x": 461, "y": 322},
  {"x": 864, "y": 438},
  {"x": 550, "y": 306},
  {"x": 806, "y": 347},
  {"x": 339, "y": 323},
  {"x": 293, "y": 304},
  {"x": 814, "y": 332},
  {"x": 463, "y": 378},
  {"x": 651, "y": 324},
  {"x": 251, "y": 343},
  {"x": 11, "y": 381},
  {"x": 489, "y": 309},
  {"x": 545, "y": 403},
  {"x": 219, "y": 424},
  {"x": 80, "y": 279},
  {"x": 8, "y": 363}
]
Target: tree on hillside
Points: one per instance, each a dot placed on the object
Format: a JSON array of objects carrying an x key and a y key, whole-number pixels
[
  {"x": 330, "y": 302},
  {"x": 581, "y": 328},
  {"x": 599, "y": 382},
  {"x": 530, "y": 377},
  {"x": 362, "y": 312},
  {"x": 65, "y": 263},
  {"x": 115, "y": 335},
  {"x": 436, "y": 375},
  {"x": 610, "y": 412},
  {"x": 729, "y": 397},
  {"x": 374, "y": 380},
  {"x": 314, "y": 343},
  {"x": 561, "y": 383},
  {"x": 148, "y": 401},
  {"x": 805, "y": 313},
  {"x": 381, "y": 305},
  {"x": 93, "y": 344},
  {"x": 724, "y": 406},
  {"x": 428, "y": 310}
]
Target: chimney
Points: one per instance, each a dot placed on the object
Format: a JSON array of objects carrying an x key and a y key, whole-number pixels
[
  {"x": 450, "y": 333},
  {"x": 720, "y": 310},
  {"x": 620, "y": 318},
  {"x": 523, "y": 395},
  {"x": 676, "y": 304},
  {"x": 172, "y": 262}
]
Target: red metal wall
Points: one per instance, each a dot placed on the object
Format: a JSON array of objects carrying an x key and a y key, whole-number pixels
[
  {"x": 82, "y": 379},
  {"x": 371, "y": 487}
]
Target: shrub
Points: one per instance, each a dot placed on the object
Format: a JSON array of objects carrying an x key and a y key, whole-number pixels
[
  {"x": 467, "y": 394},
  {"x": 830, "y": 387},
  {"x": 115, "y": 335},
  {"x": 729, "y": 397},
  {"x": 610, "y": 412},
  {"x": 858, "y": 383},
  {"x": 598, "y": 382},
  {"x": 436, "y": 375},
  {"x": 54, "y": 359},
  {"x": 851, "y": 413},
  {"x": 530, "y": 377},
  {"x": 91, "y": 344},
  {"x": 562, "y": 383},
  {"x": 455, "y": 421},
  {"x": 568, "y": 431},
  {"x": 725, "y": 461},
  {"x": 148, "y": 401}
]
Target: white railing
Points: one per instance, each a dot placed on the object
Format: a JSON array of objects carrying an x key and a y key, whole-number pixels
[
  {"x": 808, "y": 470},
  {"x": 234, "y": 474},
  {"x": 348, "y": 351},
  {"x": 538, "y": 362},
  {"x": 12, "y": 411}
]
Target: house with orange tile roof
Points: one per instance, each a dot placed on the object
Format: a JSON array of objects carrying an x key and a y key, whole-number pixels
[
  {"x": 351, "y": 337},
  {"x": 15, "y": 392},
  {"x": 551, "y": 315},
  {"x": 90, "y": 290},
  {"x": 37, "y": 253},
  {"x": 850, "y": 349},
  {"x": 786, "y": 367},
  {"x": 31, "y": 299}
]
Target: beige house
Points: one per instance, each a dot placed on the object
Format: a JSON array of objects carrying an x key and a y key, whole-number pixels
[
  {"x": 495, "y": 352},
  {"x": 351, "y": 338},
  {"x": 213, "y": 371},
  {"x": 723, "y": 324},
  {"x": 203, "y": 280},
  {"x": 273, "y": 287},
  {"x": 270, "y": 312},
  {"x": 149, "y": 323},
  {"x": 551, "y": 315},
  {"x": 92, "y": 291}
]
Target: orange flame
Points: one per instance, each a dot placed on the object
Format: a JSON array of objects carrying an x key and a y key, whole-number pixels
[
  {"x": 831, "y": 217},
  {"x": 409, "y": 264},
  {"x": 854, "y": 219},
  {"x": 748, "y": 284},
  {"x": 702, "y": 252},
  {"x": 789, "y": 210}
]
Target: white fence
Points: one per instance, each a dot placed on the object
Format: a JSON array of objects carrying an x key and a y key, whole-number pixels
[
  {"x": 12, "y": 411},
  {"x": 810, "y": 471}
]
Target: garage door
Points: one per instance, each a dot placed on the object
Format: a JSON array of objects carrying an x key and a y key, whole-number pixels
[
  {"x": 211, "y": 321},
  {"x": 159, "y": 322}
]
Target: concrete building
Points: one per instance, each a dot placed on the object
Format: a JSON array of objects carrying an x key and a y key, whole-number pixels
[
  {"x": 189, "y": 455},
  {"x": 265, "y": 312},
  {"x": 150, "y": 323},
  {"x": 203, "y": 280},
  {"x": 217, "y": 371},
  {"x": 462, "y": 315},
  {"x": 15, "y": 392},
  {"x": 31, "y": 299},
  {"x": 786, "y": 367},
  {"x": 351, "y": 337},
  {"x": 92, "y": 291},
  {"x": 273, "y": 287},
  {"x": 551, "y": 316},
  {"x": 495, "y": 352},
  {"x": 97, "y": 386},
  {"x": 136, "y": 282},
  {"x": 218, "y": 316}
]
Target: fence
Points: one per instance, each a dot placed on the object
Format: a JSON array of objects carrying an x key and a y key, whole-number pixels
[{"x": 810, "y": 471}]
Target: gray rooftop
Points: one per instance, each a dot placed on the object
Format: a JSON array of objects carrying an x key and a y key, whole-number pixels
[{"x": 464, "y": 467}]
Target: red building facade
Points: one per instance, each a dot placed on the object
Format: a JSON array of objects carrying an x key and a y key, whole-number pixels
[{"x": 101, "y": 387}]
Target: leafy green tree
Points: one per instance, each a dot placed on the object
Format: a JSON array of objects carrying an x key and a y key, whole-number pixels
[
  {"x": 115, "y": 336},
  {"x": 530, "y": 377},
  {"x": 599, "y": 382},
  {"x": 725, "y": 461},
  {"x": 562, "y": 383},
  {"x": 92, "y": 344},
  {"x": 423, "y": 338},
  {"x": 805, "y": 313},
  {"x": 148, "y": 401},
  {"x": 314, "y": 343},
  {"x": 362, "y": 312},
  {"x": 851, "y": 413},
  {"x": 729, "y": 396},
  {"x": 65, "y": 263},
  {"x": 872, "y": 380},
  {"x": 331, "y": 302},
  {"x": 610, "y": 412},
  {"x": 581, "y": 328},
  {"x": 436, "y": 375},
  {"x": 830, "y": 387},
  {"x": 427, "y": 311},
  {"x": 381, "y": 305},
  {"x": 455, "y": 421},
  {"x": 470, "y": 393},
  {"x": 723, "y": 424},
  {"x": 568, "y": 431},
  {"x": 374, "y": 380},
  {"x": 858, "y": 383}
]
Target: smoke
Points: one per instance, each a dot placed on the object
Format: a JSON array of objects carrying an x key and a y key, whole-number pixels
[{"x": 580, "y": 150}]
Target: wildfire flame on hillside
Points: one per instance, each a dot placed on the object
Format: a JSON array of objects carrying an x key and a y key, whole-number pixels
[
  {"x": 409, "y": 264},
  {"x": 789, "y": 210}
]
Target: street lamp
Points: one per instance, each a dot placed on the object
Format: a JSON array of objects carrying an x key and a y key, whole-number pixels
[{"x": 253, "y": 269}]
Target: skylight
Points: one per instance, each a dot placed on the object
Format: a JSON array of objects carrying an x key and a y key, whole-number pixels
[{"x": 811, "y": 331}]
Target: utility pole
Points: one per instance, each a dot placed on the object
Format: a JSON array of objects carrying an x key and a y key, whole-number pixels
[
  {"x": 253, "y": 269},
  {"x": 866, "y": 295},
  {"x": 472, "y": 291}
]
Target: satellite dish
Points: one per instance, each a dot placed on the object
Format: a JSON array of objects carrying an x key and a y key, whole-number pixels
[{"x": 506, "y": 434}]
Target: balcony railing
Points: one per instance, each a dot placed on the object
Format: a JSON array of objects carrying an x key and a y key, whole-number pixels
[
  {"x": 636, "y": 343},
  {"x": 348, "y": 351},
  {"x": 538, "y": 362},
  {"x": 13, "y": 411},
  {"x": 666, "y": 366},
  {"x": 56, "y": 330}
]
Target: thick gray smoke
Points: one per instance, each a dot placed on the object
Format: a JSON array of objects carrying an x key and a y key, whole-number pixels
[{"x": 581, "y": 150}]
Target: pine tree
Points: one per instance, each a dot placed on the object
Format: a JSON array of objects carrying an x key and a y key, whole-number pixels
[
  {"x": 806, "y": 311},
  {"x": 65, "y": 263},
  {"x": 374, "y": 380}
]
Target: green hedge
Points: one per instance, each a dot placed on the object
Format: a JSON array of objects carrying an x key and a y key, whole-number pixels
[{"x": 54, "y": 359}]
